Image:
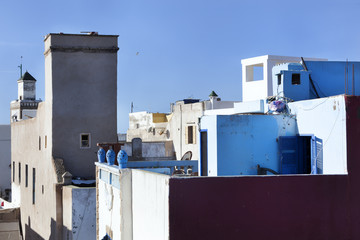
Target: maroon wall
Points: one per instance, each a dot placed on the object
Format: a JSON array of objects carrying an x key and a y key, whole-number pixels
[{"x": 280, "y": 207}]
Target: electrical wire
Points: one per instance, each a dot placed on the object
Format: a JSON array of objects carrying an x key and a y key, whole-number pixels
[
  {"x": 309, "y": 109},
  {"x": 311, "y": 81},
  {"x": 320, "y": 89}
]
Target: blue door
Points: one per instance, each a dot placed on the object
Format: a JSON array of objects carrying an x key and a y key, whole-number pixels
[
  {"x": 316, "y": 155},
  {"x": 300, "y": 155}
]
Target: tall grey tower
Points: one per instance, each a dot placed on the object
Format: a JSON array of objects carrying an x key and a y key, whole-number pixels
[
  {"x": 26, "y": 105},
  {"x": 81, "y": 93},
  {"x": 79, "y": 111}
]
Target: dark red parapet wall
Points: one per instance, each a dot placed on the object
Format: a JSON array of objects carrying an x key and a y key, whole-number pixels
[
  {"x": 282, "y": 207},
  {"x": 353, "y": 135}
]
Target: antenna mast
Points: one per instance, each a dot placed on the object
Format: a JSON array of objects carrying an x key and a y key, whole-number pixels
[{"x": 20, "y": 66}]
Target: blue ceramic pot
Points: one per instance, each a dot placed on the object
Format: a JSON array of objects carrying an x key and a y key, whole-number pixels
[
  {"x": 110, "y": 157},
  {"x": 101, "y": 155},
  {"x": 122, "y": 158}
]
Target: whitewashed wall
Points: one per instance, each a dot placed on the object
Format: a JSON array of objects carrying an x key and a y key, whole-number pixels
[
  {"x": 109, "y": 214},
  {"x": 326, "y": 119},
  {"x": 79, "y": 212},
  {"x": 115, "y": 203},
  {"x": 209, "y": 123},
  {"x": 150, "y": 193},
  {"x": 134, "y": 206}
]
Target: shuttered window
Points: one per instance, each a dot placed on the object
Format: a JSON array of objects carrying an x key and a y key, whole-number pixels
[{"x": 190, "y": 135}]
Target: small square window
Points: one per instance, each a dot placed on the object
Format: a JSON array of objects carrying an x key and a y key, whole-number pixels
[
  {"x": 295, "y": 79},
  {"x": 85, "y": 140}
]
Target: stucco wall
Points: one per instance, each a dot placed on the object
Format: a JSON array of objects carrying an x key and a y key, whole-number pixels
[
  {"x": 109, "y": 211},
  {"x": 152, "y": 149},
  {"x": 147, "y": 126},
  {"x": 26, "y": 149},
  {"x": 243, "y": 141},
  {"x": 182, "y": 116},
  {"x": 28, "y": 113},
  {"x": 185, "y": 115},
  {"x": 80, "y": 92},
  {"x": 26, "y": 89},
  {"x": 262, "y": 88},
  {"x": 150, "y": 192},
  {"x": 326, "y": 119},
  {"x": 79, "y": 213},
  {"x": 133, "y": 205},
  {"x": 5, "y": 159},
  {"x": 83, "y": 96},
  {"x": 218, "y": 104},
  {"x": 209, "y": 124},
  {"x": 286, "y": 88},
  {"x": 9, "y": 224},
  {"x": 114, "y": 203}
]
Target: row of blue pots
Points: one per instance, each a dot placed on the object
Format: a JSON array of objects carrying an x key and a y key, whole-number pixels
[{"x": 122, "y": 157}]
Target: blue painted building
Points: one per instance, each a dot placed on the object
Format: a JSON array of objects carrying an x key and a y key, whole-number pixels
[
  {"x": 292, "y": 81},
  {"x": 237, "y": 144},
  {"x": 293, "y": 140},
  {"x": 314, "y": 79}
]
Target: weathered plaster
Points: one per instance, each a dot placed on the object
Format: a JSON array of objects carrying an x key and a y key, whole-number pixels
[
  {"x": 80, "y": 92},
  {"x": 79, "y": 213}
]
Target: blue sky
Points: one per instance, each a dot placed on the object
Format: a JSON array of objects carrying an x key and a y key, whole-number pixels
[{"x": 186, "y": 48}]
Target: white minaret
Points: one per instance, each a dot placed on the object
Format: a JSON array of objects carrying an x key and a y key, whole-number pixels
[
  {"x": 26, "y": 87},
  {"x": 26, "y": 105},
  {"x": 213, "y": 97}
]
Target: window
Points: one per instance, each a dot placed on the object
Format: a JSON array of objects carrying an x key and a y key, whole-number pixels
[
  {"x": 279, "y": 79},
  {"x": 39, "y": 143},
  {"x": 295, "y": 79},
  {"x": 26, "y": 175},
  {"x": 190, "y": 135},
  {"x": 255, "y": 72},
  {"x": 13, "y": 171},
  {"x": 33, "y": 186},
  {"x": 85, "y": 140},
  {"x": 19, "y": 173}
]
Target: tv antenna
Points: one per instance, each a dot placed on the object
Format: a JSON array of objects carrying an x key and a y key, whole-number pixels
[{"x": 20, "y": 66}]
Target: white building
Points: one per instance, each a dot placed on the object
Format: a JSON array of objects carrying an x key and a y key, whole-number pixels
[
  {"x": 257, "y": 75},
  {"x": 180, "y": 126}
]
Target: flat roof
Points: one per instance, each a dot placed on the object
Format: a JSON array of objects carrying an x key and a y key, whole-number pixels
[{"x": 79, "y": 34}]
